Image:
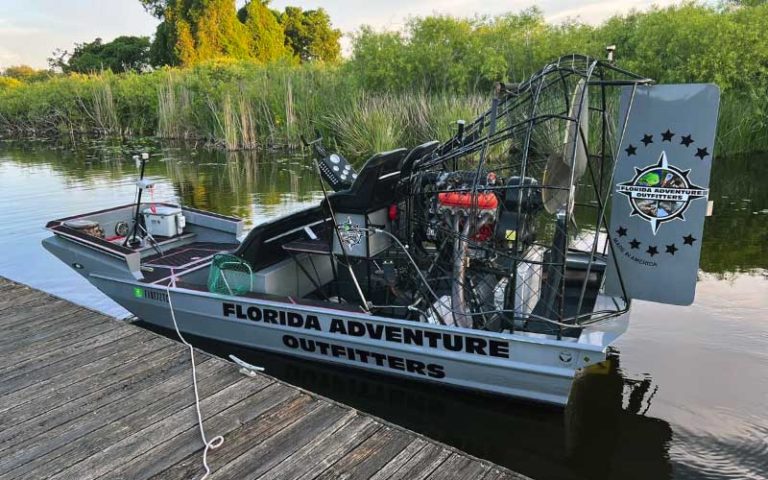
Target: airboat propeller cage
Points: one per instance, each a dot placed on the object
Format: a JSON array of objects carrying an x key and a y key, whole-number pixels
[
  {"x": 554, "y": 150},
  {"x": 566, "y": 167},
  {"x": 660, "y": 190}
]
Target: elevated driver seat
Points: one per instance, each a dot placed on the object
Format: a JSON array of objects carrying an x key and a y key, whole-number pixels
[{"x": 375, "y": 184}]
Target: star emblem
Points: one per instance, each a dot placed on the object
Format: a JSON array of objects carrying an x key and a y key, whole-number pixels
[
  {"x": 687, "y": 140},
  {"x": 667, "y": 136},
  {"x": 701, "y": 152},
  {"x": 649, "y": 190},
  {"x": 671, "y": 249},
  {"x": 631, "y": 149},
  {"x": 652, "y": 250},
  {"x": 647, "y": 139},
  {"x": 622, "y": 231},
  {"x": 634, "y": 244},
  {"x": 688, "y": 240}
]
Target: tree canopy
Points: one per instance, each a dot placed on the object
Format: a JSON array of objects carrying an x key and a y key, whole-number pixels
[
  {"x": 121, "y": 54},
  {"x": 265, "y": 32},
  {"x": 309, "y": 34},
  {"x": 155, "y": 8},
  {"x": 689, "y": 42},
  {"x": 197, "y": 30},
  {"x": 25, "y": 73},
  {"x": 192, "y": 31}
]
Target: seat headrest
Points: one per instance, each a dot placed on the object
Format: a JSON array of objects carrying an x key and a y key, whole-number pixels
[{"x": 417, "y": 153}]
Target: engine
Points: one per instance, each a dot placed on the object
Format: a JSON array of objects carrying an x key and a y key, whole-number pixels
[
  {"x": 462, "y": 217},
  {"x": 475, "y": 223}
]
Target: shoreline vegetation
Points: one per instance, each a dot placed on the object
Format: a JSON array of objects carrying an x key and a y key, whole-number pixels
[{"x": 399, "y": 88}]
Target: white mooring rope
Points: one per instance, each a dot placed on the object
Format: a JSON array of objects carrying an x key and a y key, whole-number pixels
[{"x": 218, "y": 440}]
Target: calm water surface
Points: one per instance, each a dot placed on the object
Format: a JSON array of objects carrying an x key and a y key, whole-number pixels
[{"x": 685, "y": 395}]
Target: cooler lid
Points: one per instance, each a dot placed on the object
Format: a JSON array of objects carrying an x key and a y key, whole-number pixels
[{"x": 162, "y": 210}]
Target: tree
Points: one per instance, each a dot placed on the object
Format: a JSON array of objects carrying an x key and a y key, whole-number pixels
[
  {"x": 378, "y": 61},
  {"x": 120, "y": 55},
  {"x": 156, "y": 8},
  {"x": 87, "y": 57},
  {"x": 25, "y": 73},
  {"x": 161, "y": 52},
  {"x": 128, "y": 53},
  {"x": 197, "y": 30},
  {"x": 309, "y": 34},
  {"x": 440, "y": 52},
  {"x": 267, "y": 35}
]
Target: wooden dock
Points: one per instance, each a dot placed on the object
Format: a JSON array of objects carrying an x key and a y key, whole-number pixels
[{"x": 84, "y": 396}]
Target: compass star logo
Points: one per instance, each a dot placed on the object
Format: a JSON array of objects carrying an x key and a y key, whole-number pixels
[
  {"x": 350, "y": 233},
  {"x": 660, "y": 192}
]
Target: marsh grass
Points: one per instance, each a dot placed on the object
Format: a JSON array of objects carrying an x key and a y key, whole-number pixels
[
  {"x": 742, "y": 123},
  {"x": 240, "y": 105}
]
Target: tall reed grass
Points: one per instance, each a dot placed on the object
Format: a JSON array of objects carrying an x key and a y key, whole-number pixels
[
  {"x": 743, "y": 123},
  {"x": 240, "y": 105}
]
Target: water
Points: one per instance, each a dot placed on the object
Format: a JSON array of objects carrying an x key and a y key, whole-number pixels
[{"x": 685, "y": 394}]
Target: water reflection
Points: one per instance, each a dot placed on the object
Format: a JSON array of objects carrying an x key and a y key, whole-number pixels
[
  {"x": 608, "y": 431},
  {"x": 251, "y": 185}
]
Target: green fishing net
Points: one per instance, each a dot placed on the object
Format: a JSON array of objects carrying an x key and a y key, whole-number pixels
[{"x": 229, "y": 275}]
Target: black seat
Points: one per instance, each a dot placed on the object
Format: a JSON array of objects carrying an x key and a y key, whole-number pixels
[
  {"x": 375, "y": 184},
  {"x": 415, "y": 154}
]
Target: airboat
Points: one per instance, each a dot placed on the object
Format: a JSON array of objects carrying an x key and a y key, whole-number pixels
[{"x": 503, "y": 259}]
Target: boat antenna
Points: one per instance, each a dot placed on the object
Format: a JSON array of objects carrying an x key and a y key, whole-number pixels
[{"x": 132, "y": 239}]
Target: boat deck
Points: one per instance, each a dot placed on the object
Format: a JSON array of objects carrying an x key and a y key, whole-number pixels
[
  {"x": 158, "y": 268},
  {"x": 84, "y": 396}
]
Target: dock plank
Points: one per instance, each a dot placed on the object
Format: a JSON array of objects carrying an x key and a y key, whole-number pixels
[
  {"x": 399, "y": 460},
  {"x": 88, "y": 397},
  {"x": 36, "y": 316},
  {"x": 253, "y": 433},
  {"x": 147, "y": 434},
  {"x": 417, "y": 467},
  {"x": 15, "y": 300},
  {"x": 37, "y": 330},
  {"x": 458, "y": 467},
  {"x": 145, "y": 403},
  {"x": 88, "y": 435},
  {"x": 52, "y": 325},
  {"x": 369, "y": 456},
  {"x": 256, "y": 461},
  {"x": 497, "y": 474},
  {"x": 179, "y": 458},
  {"x": 72, "y": 368},
  {"x": 61, "y": 406},
  {"x": 325, "y": 449},
  {"x": 27, "y": 362}
]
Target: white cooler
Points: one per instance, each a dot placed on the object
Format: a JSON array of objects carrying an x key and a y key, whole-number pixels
[{"x": 164, "y": 221}]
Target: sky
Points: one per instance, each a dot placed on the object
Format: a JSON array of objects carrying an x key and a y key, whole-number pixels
[{"x": 31, "y": 29}]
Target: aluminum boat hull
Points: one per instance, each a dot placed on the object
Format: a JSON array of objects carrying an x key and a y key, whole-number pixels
[
  {"x": 522, "y": 364},
  {"x": 516, "y": 365}
]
